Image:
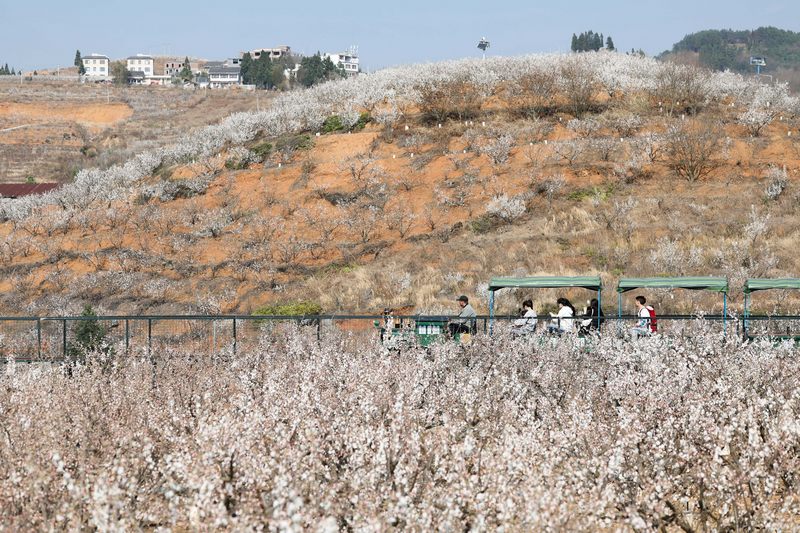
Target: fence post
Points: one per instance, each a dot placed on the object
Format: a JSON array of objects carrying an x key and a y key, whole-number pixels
[
  {"x": 127, "y": 337},
  {"x": 39, "y": 336},
  {"x": 149, "y": 335},
  {"x": 234, "y": 335},
  {"x": 64, "y": 337}
]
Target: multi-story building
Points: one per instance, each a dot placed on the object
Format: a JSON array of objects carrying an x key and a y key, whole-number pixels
[
  {"x": 220, "y": 76},
  {"x": 141, "y": 63},
  {"x": 96, "y": 66},
  {"x": 273, "y": 53},
  {"x": 346, "y": 60},
  {"x": 173, "y": 67}
]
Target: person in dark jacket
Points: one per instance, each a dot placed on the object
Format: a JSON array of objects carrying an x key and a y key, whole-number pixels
[{"x": 593, "y": 318}]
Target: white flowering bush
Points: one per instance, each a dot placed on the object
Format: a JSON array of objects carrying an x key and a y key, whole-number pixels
[
  {"x": 766, "y": 103},
  {"x": 777, "y": 180},
  {"x": 505, "y": 207},
  {"x": 693, "y": 433}
]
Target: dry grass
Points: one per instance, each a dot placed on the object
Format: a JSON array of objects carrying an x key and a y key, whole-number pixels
[{"x": 71, "y": 125}]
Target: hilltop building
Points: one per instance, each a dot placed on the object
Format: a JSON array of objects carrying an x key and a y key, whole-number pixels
[
  {"x": 224, "y": 76},
  {"x": 273, "y": 53},
  {"x": 96, "y": 66},
  {"x": 141, "y": 63},
  {"x": 346, "y": 60},
  {"x": 173, "y": 67}
]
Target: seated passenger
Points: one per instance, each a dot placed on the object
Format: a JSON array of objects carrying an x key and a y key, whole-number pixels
[
  {"x": 593, "y": 318},
  {"x": 465, "y": 322},
  {"x": 646, "y": 325},
  {"x": 526, "y": 324},
  {"x": 563, "y": 321}
]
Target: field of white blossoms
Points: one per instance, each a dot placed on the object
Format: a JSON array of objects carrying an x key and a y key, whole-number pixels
[{"x": 674, "y": 434}]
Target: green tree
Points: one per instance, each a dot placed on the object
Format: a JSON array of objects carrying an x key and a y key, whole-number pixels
[
  {"x": 244, "y": 68},
  {"x": 119, "y": 72},
  {"x": 90, "y": 337},
  {"x": 278, "y": 75},
  {"x": 186, "y": 71},
  {"x": 314, "y": 69},
  {"x": 574, "y": 45},
  {"x": 311, "y": 70},
  {"x": 79, "y": 63},
  {"x": 610, "y": 44}
]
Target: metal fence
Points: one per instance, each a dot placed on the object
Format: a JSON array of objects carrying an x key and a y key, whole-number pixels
[{"x": 51, "y": 338}]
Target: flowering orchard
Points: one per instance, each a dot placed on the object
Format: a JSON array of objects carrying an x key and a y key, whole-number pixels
[
  {"x": 689, "y": 434},
  {"x": 448, "y": 89}
]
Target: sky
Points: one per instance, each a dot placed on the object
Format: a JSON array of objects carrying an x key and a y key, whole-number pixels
[{"x": 45, "y": 33}]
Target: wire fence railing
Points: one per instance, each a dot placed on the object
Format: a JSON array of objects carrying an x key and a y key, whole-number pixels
[{"x": 54, "y": 338}]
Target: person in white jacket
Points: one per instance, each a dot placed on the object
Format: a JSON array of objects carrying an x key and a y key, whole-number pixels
[
  {"x": 642, "y": 328},
  {"x": 563, "y": 322},
  {"x": 526, "y": 324}
]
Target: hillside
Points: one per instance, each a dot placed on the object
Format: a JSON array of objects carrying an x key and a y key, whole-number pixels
[
  {"x": 412, "y": 185},
  {"x": 50, "y": 129},
  {"x": 732, "y": 49}
]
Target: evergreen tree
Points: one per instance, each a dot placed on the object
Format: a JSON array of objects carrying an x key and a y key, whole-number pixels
[
  {"x": 574, "y": 46},
  {"x": 244, "y": 68},
  {"x": 90, "y": 337},
  {"x": 610, "y": 44},
  {"x": 260, "y": 72},
  {"x": 311, "y": 70},
  {"x": 79, "y": 63},
  {"x": 4, "y": 70},
  {"x": 186, "y": 71}
]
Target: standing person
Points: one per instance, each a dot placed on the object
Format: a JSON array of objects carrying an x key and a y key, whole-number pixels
[
  {"x": 563, "y": 321},
  {"x": 527, "y": 322},
  {"x": 593, "y": 318},
  {"x": 643, "y": 327},
  {"x": 465, "y": 323}
]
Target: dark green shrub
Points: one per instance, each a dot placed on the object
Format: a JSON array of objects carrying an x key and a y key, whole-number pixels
[
  {"x": 363, "y": 120},
  {"x": 262, "y": 150},
  {"x": 235, "y": 164},
  {"x": 332, "y": 124},
  {"x": 90, "y": 337},
  {"x": 300, "y": 308}
]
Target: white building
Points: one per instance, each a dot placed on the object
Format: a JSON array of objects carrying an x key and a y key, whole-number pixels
[
  {"x": 346, "y": 60},
  {"x": 219, "y": 77},
  {"x": 96, "y": 66},
  {"x": 141, "y": 63}
]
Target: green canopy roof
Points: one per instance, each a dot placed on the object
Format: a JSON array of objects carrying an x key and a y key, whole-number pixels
[
  {"x": 547, "y": 282},
  {"x": 754, "y": 284},
  {"x": 709, "y": 284}
]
